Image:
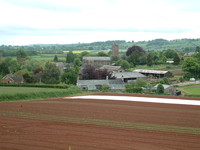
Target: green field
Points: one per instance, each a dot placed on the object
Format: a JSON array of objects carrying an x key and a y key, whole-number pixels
[
  {"x": 26, "y": 93},
  {"x": 191, "y": 90},
  {"x": 21, "y": 90}
]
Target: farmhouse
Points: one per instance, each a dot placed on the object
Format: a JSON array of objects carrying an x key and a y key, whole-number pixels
[
  {"x": 96, "y": 61},
  {"x": 110, "y": 68},
  {"x": 155, "y": 73},
  {"x": 10, "y": 78},
  {"x": 128, "y": 76},
  {"x": 114, "y": 84}
]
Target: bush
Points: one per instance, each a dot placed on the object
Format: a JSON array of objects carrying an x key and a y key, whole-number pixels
[
  {"x": 160, "y": 89},
  {"x": 134, "y": 90}
]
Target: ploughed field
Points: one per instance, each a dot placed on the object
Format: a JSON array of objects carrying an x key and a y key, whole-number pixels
[{"x": 89, "y": 124}]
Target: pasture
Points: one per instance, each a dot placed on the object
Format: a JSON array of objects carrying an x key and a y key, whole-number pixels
[
  {"x": 26, "y": 93},
  {"x": 91, "y": 124},
  {"x": 191, "y": 90}
]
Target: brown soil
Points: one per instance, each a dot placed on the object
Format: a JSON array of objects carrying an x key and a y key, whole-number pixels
[{"x": 20, "y": 133}]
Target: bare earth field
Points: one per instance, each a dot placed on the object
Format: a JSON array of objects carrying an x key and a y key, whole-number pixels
[{"x": 92, "y": 124}]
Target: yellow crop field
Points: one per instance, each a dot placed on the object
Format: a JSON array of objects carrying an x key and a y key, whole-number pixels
[{"x": 76, "y": 52}]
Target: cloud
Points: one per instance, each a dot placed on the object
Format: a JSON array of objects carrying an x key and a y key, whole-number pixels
[{"x": 88, "y": 19}]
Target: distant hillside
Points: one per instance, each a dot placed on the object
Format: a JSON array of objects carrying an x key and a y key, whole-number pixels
[{"x": 157, "y": 44}]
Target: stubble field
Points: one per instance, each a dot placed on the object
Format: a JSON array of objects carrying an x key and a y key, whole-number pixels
[{"x": 88, "y": 124}]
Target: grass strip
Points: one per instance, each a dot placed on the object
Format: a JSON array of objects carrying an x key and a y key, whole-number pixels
[
  {"x": 26, "y": 94},
  {"x": 109, "y": 123}
]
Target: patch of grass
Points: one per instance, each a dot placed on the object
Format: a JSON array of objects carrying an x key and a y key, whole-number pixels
[
  {"x": 27, "y": 93},
  {"x": 191, "y": 90}
]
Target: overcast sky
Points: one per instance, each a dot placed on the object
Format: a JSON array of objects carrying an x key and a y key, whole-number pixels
[{"x": 25, "y": 22}]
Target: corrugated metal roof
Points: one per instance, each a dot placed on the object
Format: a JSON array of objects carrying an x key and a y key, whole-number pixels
[
  {"x": 128, "y": 75},
  {"x": 114, "y": 84},
  {"x": 110, "y": 67},
  {"x": 151, "y": 71}
]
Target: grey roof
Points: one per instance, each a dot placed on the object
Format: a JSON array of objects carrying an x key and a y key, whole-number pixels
[
  {"x": 128, "y": 75},
  {"x": 114, "y": 84},
  {"x": 109, "y": 67},
  {"x": 14, "y": 78},
  {"x": 164, "y": 85},
  {"x": 151, "y": 71},
  {"x": 60, "y": 64},
  {"x": 189, "y": 54},
  {"x": 97, "y": 58}
]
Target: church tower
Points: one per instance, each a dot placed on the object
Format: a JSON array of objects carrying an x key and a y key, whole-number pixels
[{"x": 115, "y": 50}]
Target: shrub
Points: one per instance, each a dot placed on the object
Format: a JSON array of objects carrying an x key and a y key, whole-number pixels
[
  {"x": 134, "y": 90},
  {"x": 160, "y": 89}
]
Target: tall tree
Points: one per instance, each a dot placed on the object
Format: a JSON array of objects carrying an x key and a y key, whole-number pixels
[
  {"x": 197, "y": 49},
  {"x": 160, "y": 89},
  {"x": 70, "y": 57},
  {"x": 149, "y": 60},
  {"x": 77, "y": 62},
  {"x": 133, "y": 49},
  {"x": 21, "y": 55},
  {"x": 55, "y": 58},
  {"x": 192, "y": 67},
  {"x": 70, "y": 77},
  {"x": 176, "y": 59},
  {"x": 51, "y": 74}
]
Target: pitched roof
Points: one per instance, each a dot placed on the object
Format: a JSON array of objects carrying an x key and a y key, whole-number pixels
[
  {"x": 128, "y": 75},
  {"x": 164, "y": 85},
  {"x": 151, "y": 71},
  {"x": 91, "y": 84},
  {"x": 97, "y": 58},
  {"x": 60, "y": 64},
  {"x": 109, "y": 67},
  {"x": 14, "y": 78}
]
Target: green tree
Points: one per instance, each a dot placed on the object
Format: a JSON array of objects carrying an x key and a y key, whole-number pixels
[
  {"x": 21, "y": 55},
  {"x": 70, "y": 77},
  {"x": 30, "y": 65},
  {"x": 160, "y": 89},
  {"x": 55, "y": 58},
  {"x": 102, "y": 54},
  {"x": 197, "y": 49},
  {"x": 9, "y": 65},
  {"x": 70, "y": 57},
  {"x": 149, "y": 60},
  {"x": 164, "y": 80},
  {"x": 123, "y": 63},
  {"x": 51, "y": 74},
  {"x": 140, "y": 83},
  {"x": 191, "y": 66},
  {"x": 176, "y": 59},
  {"x": 169, "y": 53},
  {"x": 77, "y": 62}
]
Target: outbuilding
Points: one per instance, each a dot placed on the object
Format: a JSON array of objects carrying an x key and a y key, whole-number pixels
[{"x": 155, "y": 73}]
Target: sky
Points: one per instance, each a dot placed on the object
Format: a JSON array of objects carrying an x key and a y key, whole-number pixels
[{"x": 26, "y": 22}]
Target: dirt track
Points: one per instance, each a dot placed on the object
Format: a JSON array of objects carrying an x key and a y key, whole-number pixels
[{"x": 56, "y": 124}]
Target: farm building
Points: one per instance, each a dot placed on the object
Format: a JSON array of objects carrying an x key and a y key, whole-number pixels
[
  {"x": 10, "y": 78},
  {"x": 114, "y": 84},
  {"x": 189, "y": 54},
  {"x": 110, "y": 68},
  {"x": 169, "y": 89},
  {"x": 155, "y": 73},
  {"x": 128, "y": 76},
  {"x": 97, "y": 61}
]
